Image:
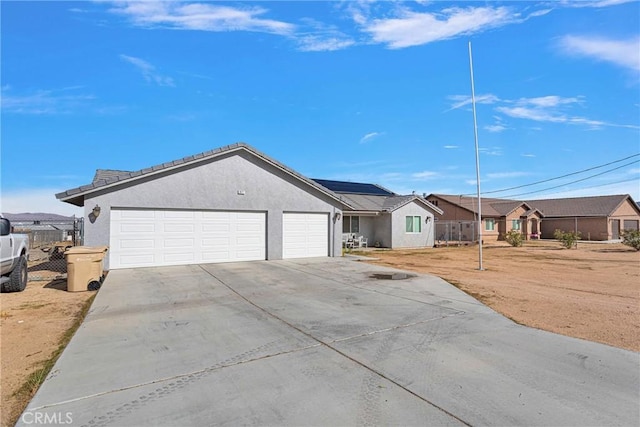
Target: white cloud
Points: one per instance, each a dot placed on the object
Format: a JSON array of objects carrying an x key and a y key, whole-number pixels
[
  {"x": 411, "y": 28},
  {"x": 462, "y": 100},
  {"x": 309, "y": 36},
  {"x": 550, "y": 101},
  {"x": 148, "y": 71},
  {"x": 450, "y": 147},
  {"x": 322, "y": 37},
  {"x": 552, "y": 109},
  {"x": 424, "y": 175},
  {"x": 493, "y": 151},
  {"x": 500, "y": 175},
  {"x": 623, "y": 53},
  {"x": 368, "y": 137},
  {"x": 495, "y": 128},
  {"x": 596, "y": 3},
  {"x": 37, "y": 200},
  {"x": 200, "y": 16},
  {"x": 319, "y": 43},
  {"x": 58, "y": 101},
  {"x": 528, "y": 155}
]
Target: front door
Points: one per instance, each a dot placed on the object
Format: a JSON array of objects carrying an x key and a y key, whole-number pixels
[{"x": 615, "y": 229}]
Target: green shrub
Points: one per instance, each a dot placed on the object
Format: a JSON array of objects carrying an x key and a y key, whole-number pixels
[
  {"x": 567, "y": 239},
  {"x": 514, "y": 237},
  {"x": 631, "y": 238}
]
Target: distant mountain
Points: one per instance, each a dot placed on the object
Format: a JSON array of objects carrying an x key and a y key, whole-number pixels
[{"x": 30, "y": 217}]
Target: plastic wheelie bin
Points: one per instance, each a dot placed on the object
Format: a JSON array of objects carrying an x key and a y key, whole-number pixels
[{"x": 85, "y": 268}]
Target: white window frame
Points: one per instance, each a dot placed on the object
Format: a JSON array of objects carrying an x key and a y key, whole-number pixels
[
  {"x": 410, "y": 227},
  {"x": 490, "y": 224},
  {"x": 515, "y": 224},
  {"x": 348, "y": 223}
]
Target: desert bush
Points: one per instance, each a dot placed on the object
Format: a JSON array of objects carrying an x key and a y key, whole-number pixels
[
  {"x": 631, "y": 238},
  {"x": 567, "y": 239},
  {"x": 514, "y": 237}
]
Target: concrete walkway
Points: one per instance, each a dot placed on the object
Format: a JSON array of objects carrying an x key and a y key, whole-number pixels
[{"x": 320, "y": 342}]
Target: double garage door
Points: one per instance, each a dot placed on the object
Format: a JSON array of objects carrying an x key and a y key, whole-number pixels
[{"x": 147, "y": 238}]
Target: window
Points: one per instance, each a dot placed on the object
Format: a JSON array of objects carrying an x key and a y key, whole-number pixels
[
  {"x": 414, "y": 224},
  {"x": 489, "y": 224},
  {"x": 515, "y": 224},
  {"x": 351, "y": 224}
]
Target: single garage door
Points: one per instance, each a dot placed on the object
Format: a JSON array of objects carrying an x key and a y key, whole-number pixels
[
  {"x": 148, "y": 238},
  {"x": 305, "y": 235}
]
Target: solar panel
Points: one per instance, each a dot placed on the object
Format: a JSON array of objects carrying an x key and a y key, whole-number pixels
[{"x": 353, "y": 187}]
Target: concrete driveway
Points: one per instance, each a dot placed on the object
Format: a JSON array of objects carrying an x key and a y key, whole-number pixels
[{"x": 320, "y": 342}]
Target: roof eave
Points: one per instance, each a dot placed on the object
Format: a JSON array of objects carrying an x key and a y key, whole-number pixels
[{"x": 76, "y": 196}]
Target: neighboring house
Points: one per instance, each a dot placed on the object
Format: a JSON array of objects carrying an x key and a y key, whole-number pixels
[
  {"x": 229, "y": 204},
  {"x": 46, "y": 227},
  {"x": 499, "y": 216},
  {"x": 596, "y": 218},
  {"x": 384, "y": 218}
]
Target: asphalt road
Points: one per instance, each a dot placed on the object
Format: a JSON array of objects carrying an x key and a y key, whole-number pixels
[{"x": 321, "y": 342}]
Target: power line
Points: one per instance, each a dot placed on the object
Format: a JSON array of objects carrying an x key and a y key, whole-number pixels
[
  {"x": 573, "y": 182},
  {"x": 558, "y": 177},
  {"x": 607, "y": 184}
]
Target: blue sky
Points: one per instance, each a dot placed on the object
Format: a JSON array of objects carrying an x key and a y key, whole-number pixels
[{"x": 359, "y": 91}]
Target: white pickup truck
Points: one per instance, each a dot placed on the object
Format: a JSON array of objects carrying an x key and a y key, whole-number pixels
[{"x": 14, "y": 252}]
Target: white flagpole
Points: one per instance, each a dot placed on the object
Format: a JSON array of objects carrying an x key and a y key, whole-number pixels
[{"x": 475, "y": 132}]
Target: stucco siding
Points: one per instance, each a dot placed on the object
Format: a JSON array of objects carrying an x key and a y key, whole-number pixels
[
  {"x": 451, "y": 212},
  {"x": 236, "y": 182},
  {"x": 399, "y": 236},
  {"x": 589, "y": 228}
]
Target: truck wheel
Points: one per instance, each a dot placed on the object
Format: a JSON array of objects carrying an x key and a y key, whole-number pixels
[{"x": 18, "y": 278}]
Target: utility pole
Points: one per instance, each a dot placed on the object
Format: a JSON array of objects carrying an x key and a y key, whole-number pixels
[{"x": 475, "y": 132}]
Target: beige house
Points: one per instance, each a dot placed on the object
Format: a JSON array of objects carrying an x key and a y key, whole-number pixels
[
  {"x": 596, "y": 218},
  {"x": 499, "y": 216}
]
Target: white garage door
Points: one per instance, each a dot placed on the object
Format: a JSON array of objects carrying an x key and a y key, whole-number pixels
[
  {"x": 305, "y": 235},
  {"x": 146, "y": 238}
]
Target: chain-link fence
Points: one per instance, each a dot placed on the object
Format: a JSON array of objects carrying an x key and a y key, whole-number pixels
[
  {"x": 455, "y": 232},
  {"x": 47, "y": 244}
]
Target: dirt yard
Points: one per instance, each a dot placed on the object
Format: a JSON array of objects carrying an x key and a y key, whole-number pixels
[
  {"x": 592, "y": 293},
  {"x": 32, "y": 324}
]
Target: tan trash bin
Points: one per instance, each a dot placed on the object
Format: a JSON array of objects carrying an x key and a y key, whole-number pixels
[{"x": 85, "y": 267}]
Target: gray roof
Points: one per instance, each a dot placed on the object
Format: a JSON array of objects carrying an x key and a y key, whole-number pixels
[
  {"x": 109, "y": 174},
  {"x": 581, "y": 206},
  {"x": 491, "y": 207},
  {"x": 105, "y": 178},
  {"x": 365, "y": 202}
]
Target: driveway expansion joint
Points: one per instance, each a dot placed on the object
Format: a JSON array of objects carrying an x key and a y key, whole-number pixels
[{"x": 327, "y": 345}]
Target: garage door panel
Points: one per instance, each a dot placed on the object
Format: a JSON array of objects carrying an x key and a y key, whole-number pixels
[
  {"x": 177, "y": 227},
  {"x": 136, "y": 260},
  {"x": 133, "y": 214},
  {"x": 136, "y": 244},
  {"x": 178, "y": 258},
  {"x": 156, "y": 238},
  {"x": 178, "y": 243},
  {"x": 178, "y": 215},
  {"x": 137, "y": 228},
  {"x": 305, "y": 235}
]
